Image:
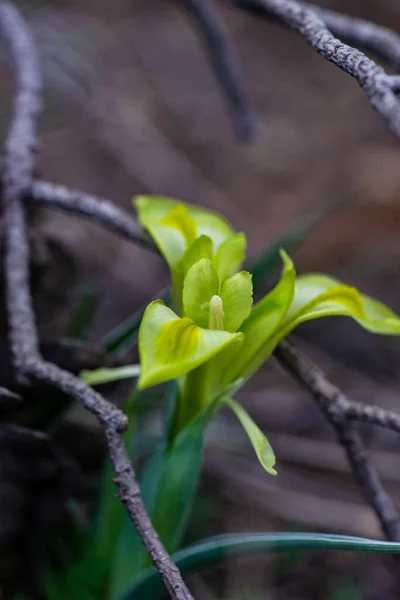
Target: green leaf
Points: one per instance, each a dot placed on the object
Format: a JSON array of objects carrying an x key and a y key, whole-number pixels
[
  {"x": 319, "y": 296},
  {"x": 230, "y": 255},
  {"x": 201, "y": 283},
  {"x": 170, "y": 347},
  {"x": 260, "y": 326},
  {"x": 261, "y": 445},
  {"x": 108, "y": 375},
  {"x": 237, "y": 297},
  {"x": 212, "y": 551}
]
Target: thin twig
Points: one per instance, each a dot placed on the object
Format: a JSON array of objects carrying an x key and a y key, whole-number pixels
[
  {"x": 224, "y": 66},
  {"x": 101, "y": 210},
  {"x": 18, "y": 166},
  {"x": 378, "y": 39},
  {"x": 334, "y": 405},
  {"x": 309, "y": 23}
]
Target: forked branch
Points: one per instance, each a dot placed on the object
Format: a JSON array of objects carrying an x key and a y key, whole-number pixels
[{"x": 18, "y": 165}]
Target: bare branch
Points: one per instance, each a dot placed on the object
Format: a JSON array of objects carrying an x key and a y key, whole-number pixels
[
  {"x": 334, "y": 405},
  {"x": 224, "y": 66},
  {"x": 18, "y": 166},
  {"x": 103, "y": 211},
  {"x": 309, "y": 23},
  {"x": 380, "y": 40}
]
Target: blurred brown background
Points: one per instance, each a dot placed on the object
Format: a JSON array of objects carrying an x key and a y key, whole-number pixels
[{"x": 132, "y": 106}]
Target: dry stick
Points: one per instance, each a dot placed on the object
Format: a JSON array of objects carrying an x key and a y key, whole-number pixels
[
  {"x": 101, "y": 210},
  {"x": 224, "y": 66},
  {"x": 335, "y": 407},
  {"x": 375, "y": 82},
  {"x": 380, "y": 40},
  {"x": 18, "y": 165}
]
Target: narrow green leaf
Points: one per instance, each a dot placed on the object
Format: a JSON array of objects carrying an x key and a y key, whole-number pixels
[
  {"x": 212, "y": 551},
  {"x": 261, "y": 445},
  {"x": 108, "y": 375}
]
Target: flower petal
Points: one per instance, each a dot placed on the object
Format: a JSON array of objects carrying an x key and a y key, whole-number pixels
[
  {"x": 230, "y": 255},
  {"x": 170, "y": 347},
  {"x": 201, "y": 283},
  {"x": 319, "y": 296},
  {"x": 169, "y": 224},
  {"x": 262, "y": 323},
  {"x": 174, "y": 225},
  {"x": 237, "y": 297}
]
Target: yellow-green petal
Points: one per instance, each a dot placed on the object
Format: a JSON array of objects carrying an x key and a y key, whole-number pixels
[
  {"x": 261, "y": 445},
  {"x": 201, "y": 248},
  {"x": 230, "y": 256},
  {"x": 261, "y": 325},
  {"x": 170, "y": 346},
  {"x": 174, "y": 225},
  {"x": 169, "y": 224},
  {"x": 319, "y": 296},
  {"x": 200, "y": 285},
  {"x": 237, "y": 296}
]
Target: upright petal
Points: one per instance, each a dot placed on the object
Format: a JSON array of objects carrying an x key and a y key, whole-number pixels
[
  {"x": 261, "y": 325},
  {"x": 201, "y": 283},
  {"x": 237, "y": 297}
]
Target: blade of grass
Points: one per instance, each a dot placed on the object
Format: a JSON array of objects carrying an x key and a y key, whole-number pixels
[{"x": 211, "y": 551}]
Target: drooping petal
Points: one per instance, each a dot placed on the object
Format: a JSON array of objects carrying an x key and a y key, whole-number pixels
[
  {"x": 262, "y": 323},
  {"x": 319, "y": 296},
  {"x": 200, "y": 285},
  {"x": 170, "y": 346},
  {"x": 175, "y": 225},
  {"x": 261, "y": 445},
  {"x": 169, "y": 224},
  {"x": 230, "y": 256},
  {"x": 237, "y": 297}
]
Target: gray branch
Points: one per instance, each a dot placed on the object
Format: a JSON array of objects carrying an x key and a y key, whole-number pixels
[
  {"x": 316, "y": 25},
  {"x": 339, "y": 412},
  {"x": 17, "y": 174}
]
